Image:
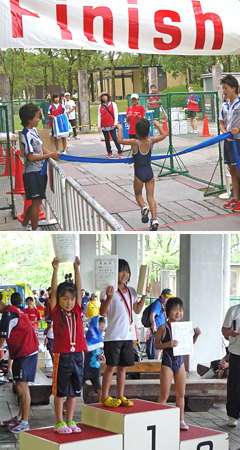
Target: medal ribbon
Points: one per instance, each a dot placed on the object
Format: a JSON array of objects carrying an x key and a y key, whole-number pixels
[
  {"x": 72, "y": 326},
  {"x": 129, "y": 310}
]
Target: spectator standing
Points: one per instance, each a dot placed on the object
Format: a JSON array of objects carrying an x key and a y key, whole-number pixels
[
  {"x": 70, "y": 109},
  {"x": 85, "y": 300},
  {"x": 93, "y": 307},
  {"x": 31, "y": 312},
  {"x": 34, "y": 155},
  {"x": 44, "y": 110},
  {"x": 107, "y": 122},
  {"x": 230, "y": 121},
  {"x": 42, "y": 297},
  {"x": 158, "y": 317},
  {"x": 154, "y": 102},
  {"x": 55, "y": 109},
  {"x": 22, "y": 343},
  {"x": 133, "y": 114},
  {"x": 231, "y": 332},
  {"x": 193, "y": 108}
]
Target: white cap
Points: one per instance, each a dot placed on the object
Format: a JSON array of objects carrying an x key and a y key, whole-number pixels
[
  {"x": 67, "y": 93},
  {"x": 190, "y": 87},
  {"x": 135, "y": 96}
]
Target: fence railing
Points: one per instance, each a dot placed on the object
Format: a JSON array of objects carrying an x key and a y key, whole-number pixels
[
  {"x": 85, "y": 213},
  {"x": 73, "y": 208}
]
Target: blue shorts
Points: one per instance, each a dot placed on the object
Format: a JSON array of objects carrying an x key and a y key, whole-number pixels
[
  {"x": 35, "y": 185},
  {"x": 229, "y": 157},
  {"x": 24, "y": 368},
  {"x": 50, "y": 344},
  {"x": 68, "y": 374}
]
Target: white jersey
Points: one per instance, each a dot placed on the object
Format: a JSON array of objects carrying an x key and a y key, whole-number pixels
[
  {"x": 234, "y": 342},
  {"x": 119, "y": 327}
]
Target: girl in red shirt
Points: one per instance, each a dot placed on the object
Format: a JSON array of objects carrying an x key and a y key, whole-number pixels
[{"x": 69, "y": 344}]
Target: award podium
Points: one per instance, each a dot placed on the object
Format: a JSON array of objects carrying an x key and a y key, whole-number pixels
[{"x": 145, "y": 426}]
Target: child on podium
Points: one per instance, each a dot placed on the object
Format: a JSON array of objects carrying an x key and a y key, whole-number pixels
[
  {"x": 120, "y": 334},
  {"x": 69, "y": 344}
]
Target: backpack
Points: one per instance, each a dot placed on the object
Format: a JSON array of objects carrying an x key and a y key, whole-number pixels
[{"x": 146, "y": 317}]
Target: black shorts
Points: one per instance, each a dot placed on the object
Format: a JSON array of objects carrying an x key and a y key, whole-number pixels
[
  {"x": 24, "y": 368},
  {"x": 119, "y": 353},
  {"x": 229, "y": 157},
  {"x": 35, "y": 185},
  {"x": 68, "y": 374},
  {"x": 96, "y": 382},
  {"x": 192, "y": 114}
]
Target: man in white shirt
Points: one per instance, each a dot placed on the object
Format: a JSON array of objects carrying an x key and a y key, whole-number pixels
[{"x": 70, "y": 110}]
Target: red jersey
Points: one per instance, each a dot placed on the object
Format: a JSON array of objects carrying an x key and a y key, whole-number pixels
[
  {"x": 33, "y": 314},
  {"x": 152, "y": 98},
  {"x": 62, "y": 340},
  {"x": 133, "y": 110},
  {"x": 193, "y": 106},
  {"x": 107, "y": 119},
  {"x": 16, "y": 328},
  {"x": 55, "y": 112}
]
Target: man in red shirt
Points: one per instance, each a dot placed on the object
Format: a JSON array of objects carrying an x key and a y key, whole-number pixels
[
  {"x": 154, "y": 102},
  {"x": 32, "y": 313},
  {"x": 134, "y": 113},
  {"x": 22, "y": 343}
]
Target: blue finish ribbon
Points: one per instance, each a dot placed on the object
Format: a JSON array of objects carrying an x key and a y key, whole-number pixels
[{"x": 205, "y": 144}]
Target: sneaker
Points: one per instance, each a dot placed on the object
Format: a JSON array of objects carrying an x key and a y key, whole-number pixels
[
  {"x": 230, "y": 204},
  {"x": 69, "y": 138},
  {"x": 20, "y": 427},
  {"x": 153, "y": 225},
  {"x": 195, "y": 131},
  {"x": 237, "y": 207},
  {"x": 11, "y": 421},
  {"x": 27, "y": 228},
  {"x": 232, "y": 422},
  {"x": 191, "y": 131},
  {"x": 109, "y": 155},
  {"x": 64, "y": 152},
  {"x": 183, "y": 425},
  {"x": 76, "y": 137},
  {"x": 144, "y": 213},
  {"x": 120, "y": 155}
]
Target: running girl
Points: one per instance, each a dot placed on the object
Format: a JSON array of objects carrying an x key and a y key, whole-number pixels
[{"x": 142, "y": 150}]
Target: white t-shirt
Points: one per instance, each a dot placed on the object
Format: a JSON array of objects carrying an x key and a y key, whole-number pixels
[
  {"x": 68, "y": 106},
  {"x": 118, "y": 328},
  {"x": 234, "y": 342}
]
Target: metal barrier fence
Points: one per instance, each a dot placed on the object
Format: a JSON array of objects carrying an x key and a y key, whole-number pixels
[
  {"x": 85, "y": 213},
  {"x": 73, "y": 208},
  {"x": 6, "y": 200}
]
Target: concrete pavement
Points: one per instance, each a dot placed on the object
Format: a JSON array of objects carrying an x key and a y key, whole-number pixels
[{"x": 181, "y": 204}]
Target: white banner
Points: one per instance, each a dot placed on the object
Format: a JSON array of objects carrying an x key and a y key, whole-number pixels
[{"x": 188, "y": 27}]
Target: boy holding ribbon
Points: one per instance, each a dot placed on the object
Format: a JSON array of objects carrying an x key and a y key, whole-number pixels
[{"x": 120, "y": 333}]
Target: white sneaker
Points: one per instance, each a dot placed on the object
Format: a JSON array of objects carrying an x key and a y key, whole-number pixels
[
  {"x": 232, "y": 422},
  {"x": 191, "y": 131},
  {"x": 153, "y": 225},
  {"x": 195, "y": 131},
  {"x": 27, "y": 228},
  {"x": 69, "y": 138},
  {"x": 64, "y": 152},
  {"x": 77, "y": 137}
]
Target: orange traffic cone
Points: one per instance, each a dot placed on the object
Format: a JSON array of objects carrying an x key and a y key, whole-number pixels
[
  {"x": 205, "y": 132},
  {"x": 19, "y": 188},
  {"x": 27, "y": 203},
  {"x": 165, "y": 126},
  {"x": 2, "y": 157},
  {"x": 7, "y": 167}
]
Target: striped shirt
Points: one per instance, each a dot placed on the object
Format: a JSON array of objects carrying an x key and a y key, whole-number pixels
[
  {"x": 230, "y": 115},
  {"x": 31, "y": 143}
]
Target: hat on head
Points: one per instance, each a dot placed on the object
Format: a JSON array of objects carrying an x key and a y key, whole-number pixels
[
  {"x": 135, "y": 96},
  {"x": 67, "y": 93},
  {"x": 93, "y": 295},
  {"x": 190, "y": 87},
  {"x": 167, "y": 292}
]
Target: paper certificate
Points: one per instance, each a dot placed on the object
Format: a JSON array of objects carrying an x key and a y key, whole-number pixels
[
  {"x": 183, "y": 333},
  {"x": 64, "y": 246},
  {"x": 106, "y": 272}
]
